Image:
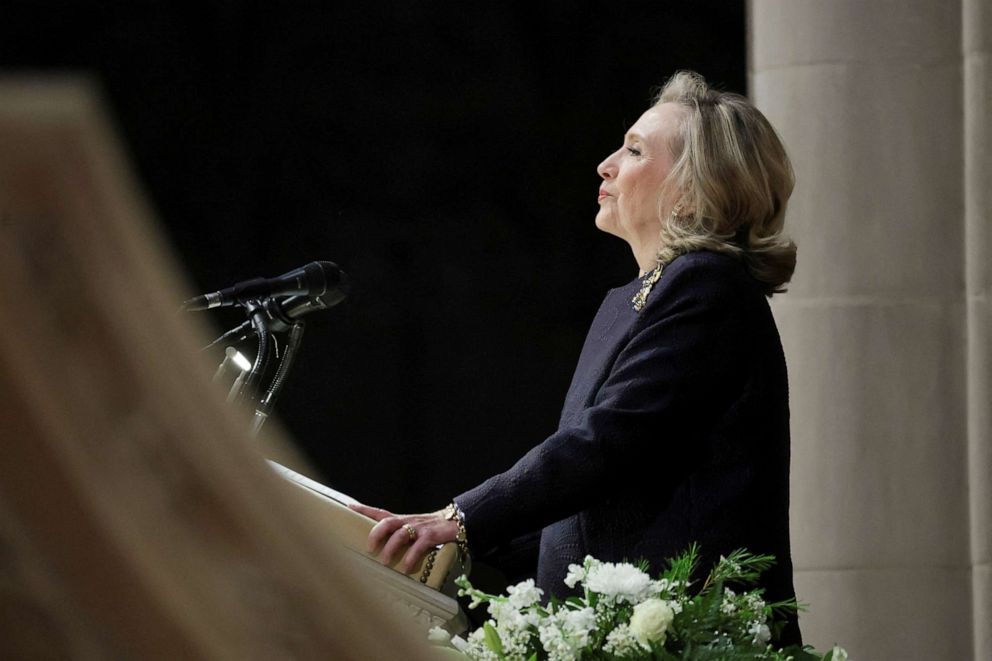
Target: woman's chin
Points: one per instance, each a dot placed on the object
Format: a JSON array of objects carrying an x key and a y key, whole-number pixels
[{"x": 605, "y": 223}]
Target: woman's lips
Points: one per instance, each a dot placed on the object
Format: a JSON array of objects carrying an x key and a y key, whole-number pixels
[{"x": 602, "y": 194}]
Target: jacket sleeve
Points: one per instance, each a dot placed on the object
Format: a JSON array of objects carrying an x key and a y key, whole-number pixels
[{"x": 646, "y": 420}]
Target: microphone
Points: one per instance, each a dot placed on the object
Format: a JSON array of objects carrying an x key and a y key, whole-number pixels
[
  {"x": 283, "y": 314},
  {"x": 314, "y": 279}
]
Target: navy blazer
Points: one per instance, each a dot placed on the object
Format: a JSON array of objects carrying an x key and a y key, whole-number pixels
[{"x": 675, "y": 430}]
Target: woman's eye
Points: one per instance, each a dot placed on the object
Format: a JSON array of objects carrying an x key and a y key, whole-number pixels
[{"x": 634, "y": 151}]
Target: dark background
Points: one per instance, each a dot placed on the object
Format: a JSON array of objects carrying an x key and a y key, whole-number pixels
[{"x": 442, "y": 153}]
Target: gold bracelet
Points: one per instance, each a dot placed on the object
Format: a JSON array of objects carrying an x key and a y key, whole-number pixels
[
  {"x": 454, "y": 513},
  {"x": 429, "y": 566}
]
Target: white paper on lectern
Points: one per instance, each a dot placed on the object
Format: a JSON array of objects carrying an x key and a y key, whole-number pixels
[{"x": 313, "y": 485}]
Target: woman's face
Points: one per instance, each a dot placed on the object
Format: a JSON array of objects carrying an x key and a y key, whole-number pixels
[{"x": 633, "y": 175}]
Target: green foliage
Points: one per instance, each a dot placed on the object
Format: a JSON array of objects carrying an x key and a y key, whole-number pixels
[
  {"x": 492, "y": 639},
  {"x": 726, "y": 619}
]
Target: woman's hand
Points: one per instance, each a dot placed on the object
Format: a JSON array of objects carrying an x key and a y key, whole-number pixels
[{"x": 407, "y": 536}]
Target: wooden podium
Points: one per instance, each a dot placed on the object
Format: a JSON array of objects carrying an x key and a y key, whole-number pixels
[{"x": 137, "y": 517}]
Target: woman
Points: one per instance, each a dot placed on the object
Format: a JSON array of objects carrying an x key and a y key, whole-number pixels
[{"x": 676, "y": 426}]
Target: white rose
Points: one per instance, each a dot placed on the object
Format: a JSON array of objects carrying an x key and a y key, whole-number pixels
[{"x": 651, "y": 620}]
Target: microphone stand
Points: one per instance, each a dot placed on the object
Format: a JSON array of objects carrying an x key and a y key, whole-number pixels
[
  {"x": 282, "y": 371},
  {"x": 241, "y": 331},
  {"x": 260, "y": 322},
  {"x": 264, "y": 316}
]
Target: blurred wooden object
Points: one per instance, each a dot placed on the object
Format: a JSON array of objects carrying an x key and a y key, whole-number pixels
[{"x": 137, "y": 519}]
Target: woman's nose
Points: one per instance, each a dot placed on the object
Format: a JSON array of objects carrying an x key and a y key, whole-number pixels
[{"x": 606, "y": 169}]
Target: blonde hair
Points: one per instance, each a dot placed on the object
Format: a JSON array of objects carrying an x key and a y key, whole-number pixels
[{"x": 731, "y": 179}]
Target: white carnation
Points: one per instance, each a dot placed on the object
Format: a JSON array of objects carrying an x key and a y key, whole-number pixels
[{"x": 620, "y": 582}]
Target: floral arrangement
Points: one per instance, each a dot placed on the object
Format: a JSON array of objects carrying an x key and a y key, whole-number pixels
[{"x": 624, "y": 614}]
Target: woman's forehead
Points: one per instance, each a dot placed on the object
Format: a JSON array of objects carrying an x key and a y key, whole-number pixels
[{"x": 657, "y": 124}]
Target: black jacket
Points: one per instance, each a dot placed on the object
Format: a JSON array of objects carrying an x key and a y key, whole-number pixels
[{"x": 675, "y": 430}]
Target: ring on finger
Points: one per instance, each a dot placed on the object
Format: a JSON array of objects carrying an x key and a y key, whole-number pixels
[{"x": 410, "y": 530}]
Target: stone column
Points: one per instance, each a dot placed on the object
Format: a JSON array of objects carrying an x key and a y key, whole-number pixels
[
  {"x": 977, "y": 52},
  {"x": 868, "y": 98}
]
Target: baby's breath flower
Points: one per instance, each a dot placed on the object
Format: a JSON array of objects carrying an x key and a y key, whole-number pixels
[
  {"x": 754, "y": 601},
  {"x": 728, "y": 607},
  {"x": 622, "y": 642},
  {"x": 565, "y": 633}
]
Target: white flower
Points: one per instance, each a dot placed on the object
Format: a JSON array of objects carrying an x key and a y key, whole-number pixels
[
  {"x": 512, "y": 626},
  {"x": 663, "y": 587},
  {"x": 578, "y": 573},
  {"x": 565, "y": 633},
  {"x": 728, "y": 607},
  {"x": 620, "y": 582},
  {"x": 651, "y": 620},
  {"x": 761, "y": 633},
  {"x": 471, "y": 650},
  {"x": 838, "y": 653},
  {"x": 475, "y": 647},
  {"x": 621, "y": 642},
  {"x": 730, "y": 565},
  {"x": 507, "y": 617},
  {"x": 579, "y": 622},
  {"x": 524, "y": 594},
  {"x": 438, "y": 636},
  {"x": 514, "y": 640},
  {"x": 755, "y": 602},
  {"x": 476, "y": 597}
]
